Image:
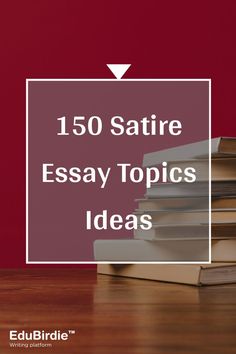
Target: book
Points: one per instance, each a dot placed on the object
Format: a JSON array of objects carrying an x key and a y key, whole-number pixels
[
  {"x": 176, "y": 203},
  {"x": 131, "y": 250},
  {"x": 173, "y": 232},
  {"x": 181, "y": 217},
  {"x": 221, "y": 169},
  {"x": 165, "y": 250},
  {"x": 193, "y": 274},
  {"x": 186, "y": 231},
  {"x": 199, "y": 189},
  {"x": 223, "y": 231},
  {"x": 223, "y": 250},
  {"x": 220, "y": 147}
]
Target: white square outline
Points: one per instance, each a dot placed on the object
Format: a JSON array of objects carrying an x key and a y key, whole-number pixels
[{"x": 116, "y": 262}]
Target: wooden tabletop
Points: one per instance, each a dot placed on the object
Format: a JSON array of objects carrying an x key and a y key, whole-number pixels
[{"x": 116, "y": 315}]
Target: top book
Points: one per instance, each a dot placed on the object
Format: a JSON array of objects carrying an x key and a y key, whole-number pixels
[{"x": 220, "y": 147}]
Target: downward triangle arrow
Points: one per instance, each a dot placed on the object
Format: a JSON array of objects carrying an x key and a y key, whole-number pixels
[{"x": 118, "y": 69}]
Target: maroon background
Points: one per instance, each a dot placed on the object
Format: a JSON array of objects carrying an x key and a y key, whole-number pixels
[{"x": 76, "y": 39}]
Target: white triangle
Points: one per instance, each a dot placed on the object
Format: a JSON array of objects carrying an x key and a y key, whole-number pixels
[{"x": 118, "y": 69}]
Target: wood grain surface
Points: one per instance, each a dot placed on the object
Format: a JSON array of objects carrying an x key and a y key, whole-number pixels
[{"x": 116, "y": 315}]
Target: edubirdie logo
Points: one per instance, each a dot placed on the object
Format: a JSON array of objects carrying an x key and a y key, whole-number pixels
[{"x": 38, "y": 338}]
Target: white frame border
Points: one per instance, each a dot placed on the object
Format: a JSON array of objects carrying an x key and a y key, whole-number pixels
[{"x": 112, "y": 262}]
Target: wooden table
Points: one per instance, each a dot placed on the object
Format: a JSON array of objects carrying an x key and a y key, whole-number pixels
[{"x": 116, "y": 315}]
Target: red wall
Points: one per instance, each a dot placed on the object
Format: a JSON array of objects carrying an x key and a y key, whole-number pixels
[{"x": 162, "y": 39}]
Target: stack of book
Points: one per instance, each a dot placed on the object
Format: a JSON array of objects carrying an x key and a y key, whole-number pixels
[{"x": 180, "y": 213}]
